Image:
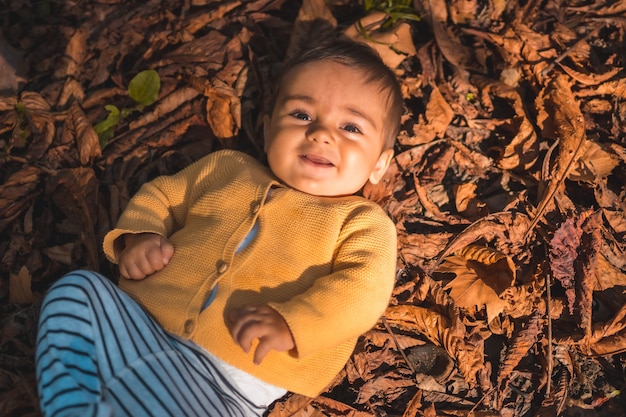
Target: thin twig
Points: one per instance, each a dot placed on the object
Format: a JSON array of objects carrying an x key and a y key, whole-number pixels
[
  {"x": 568, "y": 51},
  {"x": 550, "y": 365},
  {"x": 393, "y": 337}
]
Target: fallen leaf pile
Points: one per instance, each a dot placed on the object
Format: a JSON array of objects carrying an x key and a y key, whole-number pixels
[{"x": 507, "y": 189}]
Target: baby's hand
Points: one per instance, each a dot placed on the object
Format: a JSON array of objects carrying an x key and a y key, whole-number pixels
[
  {"x": 260, "y": 322},
  {"x": 144, "y": 254}
]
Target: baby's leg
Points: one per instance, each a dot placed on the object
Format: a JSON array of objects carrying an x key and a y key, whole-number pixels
[{"x": 100, "y": 354}]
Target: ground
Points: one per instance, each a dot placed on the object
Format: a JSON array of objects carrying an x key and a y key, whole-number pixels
[{"x": 507, "y": 188}]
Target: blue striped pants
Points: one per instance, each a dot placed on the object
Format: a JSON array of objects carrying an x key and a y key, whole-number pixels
[{"x": 99, "y": 354}]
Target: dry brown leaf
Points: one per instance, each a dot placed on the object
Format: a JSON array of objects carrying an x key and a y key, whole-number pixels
[
  {"x": 417, "y": 248},
  {"x": 413, "y": 406},
  {"x": 19, "y": 287},
  {"x": 615, "y": 88},
  {"x": 393, "y": 45},
  {"x": 573, "y": 252},
  {"x": 380, "y": 338},
  {"x": 60, "y": 253},
  {"x": 430, "y": 324},
  {"x": 594, "y": 164},
  {"x": 87, "y": 140},
  {"x": 482, "y": 274},
  {"x": 447, "y": 41},
  {"x": 219, "y": 109},
  {"x": 40, "y": 129},
  {"x": 502, "y": 225},
  {"x": 467, "y": 202},
  {"x": 444, "y": 331},
  {"x": 521, "y": 152},
  {"x": 608, "y": 276},
  {"x": 590, "y": 79},
  {"x": 72, "y": 90},
  {"x": 17, "y": 193},
  {"x": 75, "y": 53},
  {"x": 601, "y": 9},
  {"x": 523, "y": 340},
  {"x": 7, "y": 103},
  {"x": 165, "y": 105},
  {"x": 437, "y": 118},
  {"x": 333, "y": 407},
  {"x": 607, "y": 338},
  {"x": 294, "y": 406},
  {"x": 563, "y": 253},
  {"x": 201, "y": 20},
  {"x": 386, "y": 386},
  {"x": 364, "y": 363},
  {"x": 569, "y": 129},
  {"x": 463, "y": 11},
  {"x": 591, "y": 242}
]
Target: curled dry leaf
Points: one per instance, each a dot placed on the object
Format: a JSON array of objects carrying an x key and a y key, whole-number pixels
[
  {"x": 573, "y": 252},
  {"x": 521, "y": 152},
  {"x": 608, "y": 276},
  {"x": 19, "y": 287},
  {"x": 519, "y": 347},
  {"x": 17, "y": 193},
  {"x": 445, "y": 330},
  {"x": 39, "y": 127},
  {"x": 86, "y": 137},
  {"x": 591, "y": 226},
  {"x": 301, "y": 406},
  {"x": 448, "y": 42},
  {"x": 505, "y": 226},
  {"x": 594, "y": 164},
  {"x": 436, "y": 120},
  {"x": 166, "y": 105},
  {"x": 482, "y": 274},
  {"x": 590, "y": 79},
  {"x": 606, "y": 338},
  {"x": 563, "y": 252},
  {"x": 220, "y": 106},
  {"x": 569, "y": 129}
]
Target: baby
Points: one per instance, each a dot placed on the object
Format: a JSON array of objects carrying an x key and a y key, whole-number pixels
[{"x": 239, "y": 281}]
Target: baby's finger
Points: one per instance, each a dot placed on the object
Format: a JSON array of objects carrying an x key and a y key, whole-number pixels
[
  {"x": 167, "y": 250},
  {"x": 131, "y": 271},
  {"x": 144, "y": 265},
  {"x": 262, "y": 350},
  {"x": 247, "y": 330},
  {"x": 155, "y": 259},
  {"x": 250, "y": 331}
]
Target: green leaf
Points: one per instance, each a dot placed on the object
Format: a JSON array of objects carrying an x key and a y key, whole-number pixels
[
  {"x": 106, "y": 128},
  {"x": 144, "y": 87}
]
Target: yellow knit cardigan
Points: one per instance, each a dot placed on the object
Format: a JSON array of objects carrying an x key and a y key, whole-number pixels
[{"x": 327, "y": 265}]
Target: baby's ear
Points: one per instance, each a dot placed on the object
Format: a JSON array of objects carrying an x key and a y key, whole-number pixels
[{"x": 381, "y": 166}]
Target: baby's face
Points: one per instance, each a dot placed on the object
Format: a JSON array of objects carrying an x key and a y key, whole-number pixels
[{"x": 326, "y": 133}]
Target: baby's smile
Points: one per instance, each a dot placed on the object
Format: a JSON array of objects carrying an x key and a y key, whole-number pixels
[{"x": 316, "y": 160}]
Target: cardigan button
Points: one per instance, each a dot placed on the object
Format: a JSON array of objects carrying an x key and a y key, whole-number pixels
[
  {"x": 189, "y": 326},
  {"x": 222, "y": 266},
  {"x": 256, "y": 207}
]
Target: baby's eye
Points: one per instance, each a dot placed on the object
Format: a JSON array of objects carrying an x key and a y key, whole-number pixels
[
  {"x": 301, "y": 115},
  {"x": 351, "y": 128}
]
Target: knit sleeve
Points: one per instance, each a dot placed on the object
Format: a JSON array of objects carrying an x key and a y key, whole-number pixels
[
  {"x": 348, "y": 302},
  {"x": 160, "y": 206}
]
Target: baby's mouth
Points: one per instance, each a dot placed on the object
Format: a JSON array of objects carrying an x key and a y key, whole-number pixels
[{"x": 317, "y": 160}]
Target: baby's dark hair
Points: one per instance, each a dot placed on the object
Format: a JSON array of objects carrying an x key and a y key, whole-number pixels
[{"x": 363, "y": 58}]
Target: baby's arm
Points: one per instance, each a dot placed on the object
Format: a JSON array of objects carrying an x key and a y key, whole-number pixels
[
  {"x": 143, "y": 254},
  {"x": 264, "y": 323}
]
